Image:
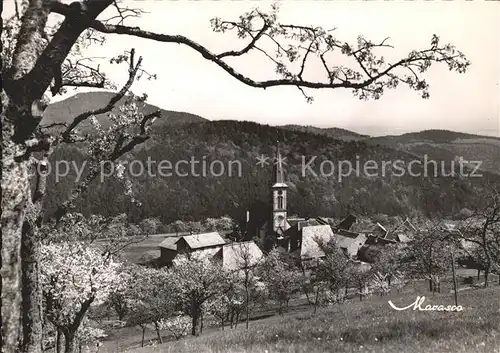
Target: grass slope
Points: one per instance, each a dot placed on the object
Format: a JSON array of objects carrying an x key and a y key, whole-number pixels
[{"x": 368, "y": 326}]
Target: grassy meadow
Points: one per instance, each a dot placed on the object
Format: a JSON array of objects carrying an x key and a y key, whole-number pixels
[{"x": 367, "y": 326}]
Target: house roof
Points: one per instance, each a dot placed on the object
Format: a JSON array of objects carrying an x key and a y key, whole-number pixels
[
  {"x": 169, "y": 243},
  {"x": 236, "y": 256},
  {"x": 344, "y": 242},
  {"x": 205, "y": 253},
  {"x": 307, "y": 223},
  {"x": 294, "y": 220},
  {"x": 204, "y": 240},
  {"x": 403, "y": 238},
  {"x": 451, "y": 226},
  {"x": 347, "y": 222},
  {"x": 322, "y": 221},
  {"x": 362, "y": 266},
  {"x": 406, "y": 225},
  {"x": 376, "y": 240},
  {"x": 309, "y": 247},
  {"x": 346, "y": 233},
  {"x": 379, "y": 226}
]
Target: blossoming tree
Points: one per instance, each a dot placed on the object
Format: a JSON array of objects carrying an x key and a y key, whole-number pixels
[{"x": 74, "y": 277}]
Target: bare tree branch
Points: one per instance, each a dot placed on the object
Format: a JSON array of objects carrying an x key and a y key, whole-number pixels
[{"x": 133, "y": 68}]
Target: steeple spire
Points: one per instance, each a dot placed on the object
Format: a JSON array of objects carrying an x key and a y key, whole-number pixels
[{"x": 279, "y": 177}]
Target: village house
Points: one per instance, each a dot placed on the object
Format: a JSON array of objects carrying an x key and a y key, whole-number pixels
[
  {"x": 239, "y": 255},
  {"x": 199, "y": 245},
  {"x": 168, "y": 250},
  {"x": 403, "y": 232},
  {"x": 295, "y": 235}
]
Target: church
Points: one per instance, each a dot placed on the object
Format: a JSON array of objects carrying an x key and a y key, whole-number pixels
[
  {"x": 295, "y": 235},
  {"x": 270, "y": 228}
]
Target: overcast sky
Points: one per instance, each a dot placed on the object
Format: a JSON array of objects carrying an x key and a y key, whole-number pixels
[{"x": 187, "y": 82}]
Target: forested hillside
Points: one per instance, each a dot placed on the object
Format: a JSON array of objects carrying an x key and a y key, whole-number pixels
[{"x": 198, "y": 197}]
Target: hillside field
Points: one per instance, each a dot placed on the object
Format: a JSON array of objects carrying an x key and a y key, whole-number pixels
[{"x": 367, "y": 326}]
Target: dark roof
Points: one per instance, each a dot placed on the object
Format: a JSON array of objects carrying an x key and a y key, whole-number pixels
[
  {"x": 376, "y": 240},
  {"x": 308, "y": 223},
  {"x": 294, "y": 220},
  {"x": 322, "y": 221},
  {"x": 347, "y": 222},
  {"x": 346, "y": 233}
]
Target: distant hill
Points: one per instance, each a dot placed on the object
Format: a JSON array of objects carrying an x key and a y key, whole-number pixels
[
  {"x": 334, "y": 132},
  {"x": 66, "y": 110},
  {"x": 312, "y": 193},
  {"x": 447, "y": 145}
]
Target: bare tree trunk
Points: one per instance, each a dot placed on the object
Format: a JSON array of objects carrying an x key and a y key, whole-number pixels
[
  {"x": 316, "y": 301},
  {"x": 69, "y": 342},
  {"x": 478, "y": 275},
  {"x": 486, "y": 274},
  {"x": 143, "y": 332},
  {"x": 59, "y": 341},
  {"x": 31, "y": 291},
  {"x": 195, "y": 322},
  {"x": 455, "y": 289},
  {"x": 306, "y": 292},
  {"x": 15, "y": 195},
  {"x": 158, "y": 333}
]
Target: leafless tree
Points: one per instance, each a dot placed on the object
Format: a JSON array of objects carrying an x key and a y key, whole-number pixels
[
  {"x": 247, "y": 260},
  {"x": 482, "y": 231}
]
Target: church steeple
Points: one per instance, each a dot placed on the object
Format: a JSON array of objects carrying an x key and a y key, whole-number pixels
[
  {"x": 279, "y": 195},
  {"x": 279, "y": 177}
]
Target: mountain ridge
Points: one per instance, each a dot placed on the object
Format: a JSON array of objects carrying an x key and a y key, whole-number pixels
[{"x": 312, "y": 193}]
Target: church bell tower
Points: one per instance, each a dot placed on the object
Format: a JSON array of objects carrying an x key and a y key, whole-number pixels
[{"x": 279, "y": 196}]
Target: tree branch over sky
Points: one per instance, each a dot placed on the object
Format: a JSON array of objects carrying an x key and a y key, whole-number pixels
[{"x": 304, "y": 46}]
